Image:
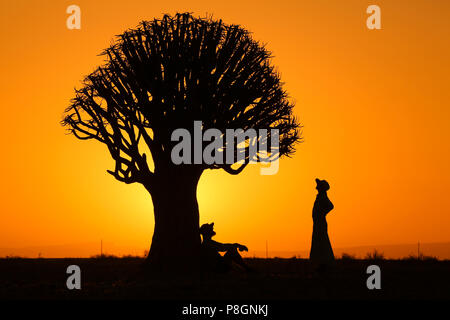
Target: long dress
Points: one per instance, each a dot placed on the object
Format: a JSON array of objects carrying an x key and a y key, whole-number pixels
[{"x": 321, "y": 250}]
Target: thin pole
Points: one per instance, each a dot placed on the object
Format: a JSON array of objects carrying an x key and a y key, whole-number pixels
[{"x": 267, "y": 250}]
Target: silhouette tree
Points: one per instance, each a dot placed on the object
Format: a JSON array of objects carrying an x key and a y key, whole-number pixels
[{"x": 164, "y": 75}]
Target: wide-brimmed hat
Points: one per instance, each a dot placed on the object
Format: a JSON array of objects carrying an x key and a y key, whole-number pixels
[
  {"x": 322, "y": 185},
  {"x": 207, "y": 229}
]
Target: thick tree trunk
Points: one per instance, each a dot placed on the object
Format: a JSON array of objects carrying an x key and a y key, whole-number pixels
[{"x": 176, "y": 238}]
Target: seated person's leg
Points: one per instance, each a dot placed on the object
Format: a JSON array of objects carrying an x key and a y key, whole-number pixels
[
  {"x": 214, "y": 261},
  {"x": 232, "y": 255}
]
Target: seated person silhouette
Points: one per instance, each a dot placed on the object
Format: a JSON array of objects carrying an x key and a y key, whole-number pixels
[
  {"x": 321, "y": 251},
  {"x": 210, "y": 251}
]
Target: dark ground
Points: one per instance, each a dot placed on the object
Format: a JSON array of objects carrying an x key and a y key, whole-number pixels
[{"x": 276, "y": 279}]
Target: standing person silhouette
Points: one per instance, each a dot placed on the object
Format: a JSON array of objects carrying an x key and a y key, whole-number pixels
[{"x": 321, "y": 251}]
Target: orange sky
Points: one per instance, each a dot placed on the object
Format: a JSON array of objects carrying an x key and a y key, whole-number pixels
[{"x": 374, "y": 104}]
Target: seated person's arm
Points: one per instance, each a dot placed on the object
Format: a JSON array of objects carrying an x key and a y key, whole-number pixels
[{"x": 227, "y": 246}]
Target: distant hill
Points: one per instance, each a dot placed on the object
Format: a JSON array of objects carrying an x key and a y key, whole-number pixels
[
  {"x": 440, "y": 250},
  {"x": 79, "y": 250}
]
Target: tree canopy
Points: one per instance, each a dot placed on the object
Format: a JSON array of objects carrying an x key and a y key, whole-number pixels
[{"x": 167, "y": 73}]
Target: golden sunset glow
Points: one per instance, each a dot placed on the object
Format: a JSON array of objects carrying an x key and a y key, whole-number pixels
[{"x": 374, "y": 105}]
